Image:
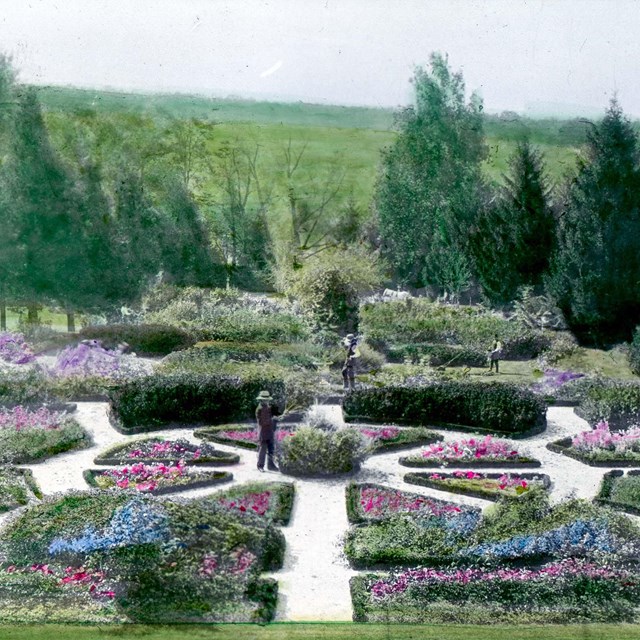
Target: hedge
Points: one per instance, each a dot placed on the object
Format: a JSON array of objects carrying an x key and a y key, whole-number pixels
[
  {"x": 612, "y": 400},
  {"x": 487, "y": 407},
  {"x": 144, "y": 339},
  {"x": 438, "y": 355},
  {"x": 187, "y": 398}
]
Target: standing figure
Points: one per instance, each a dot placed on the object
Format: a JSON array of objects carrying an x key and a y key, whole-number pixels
[
  {"x": 496, "y": 354},
  {"x": 266, "y": 430},
  {"x": 348, "y": 370}
]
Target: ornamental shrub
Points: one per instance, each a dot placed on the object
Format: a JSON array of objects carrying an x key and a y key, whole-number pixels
[
  {"x": 616, "y": 401},
  {"x": 313, "y": 451},
  {"x": 492, "y": 407},
  {"x": 634, "y": 352},
  {"x": 188, "y": 398},
  {"x": 144, "y": 339}
]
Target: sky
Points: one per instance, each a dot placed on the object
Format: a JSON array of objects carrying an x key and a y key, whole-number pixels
[{"x": 539, "y": 57}]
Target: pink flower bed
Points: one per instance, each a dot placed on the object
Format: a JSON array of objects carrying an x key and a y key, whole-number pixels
[
  {"x": 71, "y": 576},
  {"x": 255, "y": 502},
  {"x": 378, "y": 502},
  {"x": 570, "y": 567},
  {"x": 251, "y": 435},
  {"x": 239, "y": 562},
  {"x": 505, "y": 481},
  {"x": 20, "y": 419},
  {"x": 385, "y": 433},
  {"x": 471, "y": 449},
  {"x": 141, "y": 476},
  {"x": 166, "y": 448},
  {"x": 602, "y": 438}
]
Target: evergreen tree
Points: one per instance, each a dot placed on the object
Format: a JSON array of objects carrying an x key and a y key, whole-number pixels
[
  {"x": 429, "y": 189},
  {"x": 514, "y": 236},
  {"x": 596, "y": 269}
]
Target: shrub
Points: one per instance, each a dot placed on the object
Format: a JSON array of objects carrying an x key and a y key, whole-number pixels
[
  {"x": 144, "y": 339},
  {"x": 14, "y": 349},
  {"x": 438, "y": 355},
  {"x": 188, "y": 398},
  {"x": 615, "y": 401},
  {"x": 489, "y": 407},
  {"x": 311, "y": 451}
]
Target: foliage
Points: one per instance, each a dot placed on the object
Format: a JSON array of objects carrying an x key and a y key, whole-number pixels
[
  {"x": 329, "y": 284},
  {"x": 634, "y": 352},
  {"x": 144, "y": 339},
  {"x": 437, "y": 355},
  {"x": 188, "y": 398},
  {"x": 490, "y": 407},
  {"x": 514, "y": 238},
  {"x": 312, "y": 451},
  {"x": 429, "y": 185},
  {"x": 17, "y": 488},
  {"x": 597, "y": 266},
  {"x": 32, "y": 435},
  {"x": 616, "y": 401}
]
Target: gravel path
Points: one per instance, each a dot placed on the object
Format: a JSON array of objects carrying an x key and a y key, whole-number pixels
[{"x": 314, "y": 582}]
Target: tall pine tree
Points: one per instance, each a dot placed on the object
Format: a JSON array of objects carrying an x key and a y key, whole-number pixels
[{"x": 596, "y": 269}]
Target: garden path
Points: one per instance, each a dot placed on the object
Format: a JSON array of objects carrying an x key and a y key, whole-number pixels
[{"x": 314, "y": 582}]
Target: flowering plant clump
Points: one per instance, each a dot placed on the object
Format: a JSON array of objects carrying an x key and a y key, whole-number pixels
[
  {"x": 552, "y": 380},
  {"x": 89, "y": 358},
  {"x": 20, "y": 419},
  {"x": 388, "y": 587},
  {"x": 575, "y": 538},
  {"x": 92, "y": 579},
  {"x": 385, "y": 433},
  {"x": 258, "y": 502},
  {"x": 14, "y": 349},
  {"x": 251, "y": 435},
  {"x": 601, "y": 438},
  {"x": 486, "y": 448}
]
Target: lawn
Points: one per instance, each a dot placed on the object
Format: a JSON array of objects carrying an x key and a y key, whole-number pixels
[{"x": 328, "y": 631}]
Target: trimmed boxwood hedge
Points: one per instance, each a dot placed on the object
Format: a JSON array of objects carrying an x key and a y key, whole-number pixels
[
  {"x": 144, "y": 339},
  {"x": 487, "y": 407},
  {"x": 187, "y": 398},
  {"x": 438, "y": 355},
  {"x": 606, "y": 490}
]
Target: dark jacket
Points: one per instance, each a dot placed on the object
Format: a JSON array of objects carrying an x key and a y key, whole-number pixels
[{"x": 264, "y": 418}]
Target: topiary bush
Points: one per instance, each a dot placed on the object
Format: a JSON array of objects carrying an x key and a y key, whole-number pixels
[
  {"x": 188, "y": 398},
  {"x": 312, "y": 452},
  {"x": 144, "y": 339},
  {"x": 495, "y": 408}
]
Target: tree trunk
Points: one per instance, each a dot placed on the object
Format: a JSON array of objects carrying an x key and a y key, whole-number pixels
[
  {"x": 3, "y": 315},
  {"x": 32, "y": 314},
  {"x": 71, "y": 322}
]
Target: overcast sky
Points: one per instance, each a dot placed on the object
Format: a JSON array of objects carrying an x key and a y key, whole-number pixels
[{"x": 565, "y": 56}]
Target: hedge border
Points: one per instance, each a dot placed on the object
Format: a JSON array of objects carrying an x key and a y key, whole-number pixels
[
  {"x": 563, "y": 447},
  {"x": 219, "y": 477},
  {"x": 606, "y": 485},
  {"x": 226, "y": 459},
  {"x": 31, "y": 483},
  {"x": 420, "y": 479},
  {"x": 521, "y": 461}
]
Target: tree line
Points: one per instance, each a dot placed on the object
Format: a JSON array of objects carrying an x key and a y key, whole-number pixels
[{"x": 442, "y": 224}]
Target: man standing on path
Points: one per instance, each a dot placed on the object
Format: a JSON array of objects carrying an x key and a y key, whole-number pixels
[
  {"x": 266, "y": 430},
  {"x": 496, "y": 354},
  {"x": 348, "y": 370}
]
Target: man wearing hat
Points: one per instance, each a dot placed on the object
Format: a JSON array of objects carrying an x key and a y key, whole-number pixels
[
  {"x": 348, "y": 370},
  {"x": 266, "y": 427}
]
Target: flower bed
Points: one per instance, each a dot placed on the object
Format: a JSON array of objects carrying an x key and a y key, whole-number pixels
[
  {"x": 621, "y": 491},
  {"x": 271, "y": 500},
  {"x": 241, "y": 435},
  {"x": 552, "y": 384},
  {"x": 369, "y": 502},
  {"x": 150, "y": 450},
  {"x": 476, "y": 452},
  {"x": 156, "y": 561},
  {"x": 17, "y": 488},
  {"x": 601, "y": 447},
  {"x": 154, "y": 479},
  {"x": 489, "y": 486},
  {"x": 567, "y": 591},
  {"x": 28, "y": 435},
  {"x": 383, "y": 439},
  {"x": 14, "y": 349}
]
